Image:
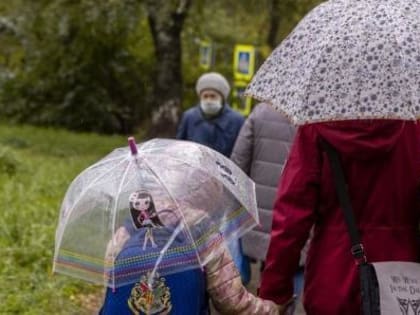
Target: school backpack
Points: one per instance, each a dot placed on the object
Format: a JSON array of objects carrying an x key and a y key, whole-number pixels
[{"x": 182, "y": 293}]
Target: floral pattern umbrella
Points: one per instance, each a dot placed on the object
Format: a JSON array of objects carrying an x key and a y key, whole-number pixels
[{"x": 347, "y": 59}]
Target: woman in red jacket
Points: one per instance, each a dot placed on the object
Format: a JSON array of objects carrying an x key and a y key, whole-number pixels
[{"x": 381, "y": 162}]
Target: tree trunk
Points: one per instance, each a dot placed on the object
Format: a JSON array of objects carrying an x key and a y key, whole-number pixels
[
  {"x": 274, "y": 23},
  {"x": 166, "y": 19}
]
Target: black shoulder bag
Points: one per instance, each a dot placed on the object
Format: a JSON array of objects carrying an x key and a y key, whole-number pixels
[
  {"x": 368, "y": 281},
  {"x": 387, "y": 288}
]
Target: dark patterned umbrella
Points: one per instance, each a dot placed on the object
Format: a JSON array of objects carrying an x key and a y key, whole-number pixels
[{"x": 347, "y": 59}]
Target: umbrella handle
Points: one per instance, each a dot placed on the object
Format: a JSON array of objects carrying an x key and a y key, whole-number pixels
[{"x": 132, "y": 145}]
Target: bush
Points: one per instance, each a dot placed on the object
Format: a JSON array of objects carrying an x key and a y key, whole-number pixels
[
  {"x": 9, "y": 163},
  {"x": 78, "y": 69},
  {"x": 43, "y": 168}
]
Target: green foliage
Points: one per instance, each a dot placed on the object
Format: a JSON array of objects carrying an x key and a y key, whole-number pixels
[
  {"x": 78, "y": 69},
  {"x": 226, "y": 23},
  {"x": 89, "y": 65},
  {"x": 48, "y": 159},
  {"x": 8, "y": 162},
  {"x": 291, "y": 12}
]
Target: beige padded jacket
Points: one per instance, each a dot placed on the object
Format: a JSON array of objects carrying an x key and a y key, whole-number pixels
[{"x": 228, "y": 294}]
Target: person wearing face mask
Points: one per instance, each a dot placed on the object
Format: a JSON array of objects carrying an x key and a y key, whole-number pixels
[{"x": 212, "y": 122}]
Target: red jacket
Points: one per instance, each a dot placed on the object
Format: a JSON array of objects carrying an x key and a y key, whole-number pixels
[{"x": 381, "y": 161}]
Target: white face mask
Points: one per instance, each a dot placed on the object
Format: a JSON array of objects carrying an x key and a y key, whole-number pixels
[{"x": 211, "y": 107}]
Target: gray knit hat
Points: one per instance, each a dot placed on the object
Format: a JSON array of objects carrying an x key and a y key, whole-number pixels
[{"x": 214, "y": 81}]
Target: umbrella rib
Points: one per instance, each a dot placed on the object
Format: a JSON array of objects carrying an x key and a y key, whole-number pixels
[
  {"x": 163, "y": 251},
  {"x": 93, "y": 166},
  {"x": 177, "y": 205},
  {"x": 113, "y": 213},
  {"x": 91, "y": 185},
  {"x": 305, "y": 95},
  {"x": 217, "y": 178},
  {"x": 79, "y": 198},
  {"x": 100, "y": 163},
  {"x": 203, "y": 170}
]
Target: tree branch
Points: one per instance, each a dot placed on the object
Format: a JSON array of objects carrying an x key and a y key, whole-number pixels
[
  {"x": 183, "y": 7},
  {"x": 274, "y": 23}
]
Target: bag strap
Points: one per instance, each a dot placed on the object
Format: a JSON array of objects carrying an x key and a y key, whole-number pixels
[{"x": 357, "y": 249}]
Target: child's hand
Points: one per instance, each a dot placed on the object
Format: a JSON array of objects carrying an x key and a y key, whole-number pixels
[{"x": 288, "y": 308}]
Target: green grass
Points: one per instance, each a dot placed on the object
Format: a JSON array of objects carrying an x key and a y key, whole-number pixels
[{"x": 36, "y": 167}]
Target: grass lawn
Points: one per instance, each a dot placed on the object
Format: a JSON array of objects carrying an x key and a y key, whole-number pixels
[{"x": 36, "y": 167}]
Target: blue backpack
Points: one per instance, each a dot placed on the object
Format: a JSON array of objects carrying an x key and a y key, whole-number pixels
[{"x": 182, "y": 293}]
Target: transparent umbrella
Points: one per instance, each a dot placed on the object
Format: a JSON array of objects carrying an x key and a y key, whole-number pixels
[{"x": 176, "y": 201}]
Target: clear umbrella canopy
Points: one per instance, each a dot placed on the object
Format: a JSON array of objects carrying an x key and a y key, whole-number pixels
[{"x": 175, "y": 202}]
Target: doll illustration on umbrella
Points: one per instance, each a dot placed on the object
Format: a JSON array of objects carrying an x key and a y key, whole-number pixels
[{"x": 144, "y": 215}]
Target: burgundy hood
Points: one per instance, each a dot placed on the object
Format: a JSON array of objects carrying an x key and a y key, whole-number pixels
[{"x": 362, "y": 139}]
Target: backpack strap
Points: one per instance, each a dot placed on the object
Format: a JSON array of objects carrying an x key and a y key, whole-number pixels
[{"x": 357, "y": 249}]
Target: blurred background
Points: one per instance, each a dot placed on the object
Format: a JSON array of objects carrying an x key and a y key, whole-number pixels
[
  {"x": 109, "y": 66},
  {"x": 76, "y": 77}
]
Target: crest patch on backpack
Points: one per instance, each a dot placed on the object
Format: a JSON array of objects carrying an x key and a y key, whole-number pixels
[{"x": 153, "y": 300}]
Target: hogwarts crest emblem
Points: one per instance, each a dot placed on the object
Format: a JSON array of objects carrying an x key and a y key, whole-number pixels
[{"x": 152, "y": 299}]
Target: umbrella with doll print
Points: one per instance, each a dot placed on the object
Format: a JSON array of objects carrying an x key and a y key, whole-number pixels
[{"x": 161, "y": 207}]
